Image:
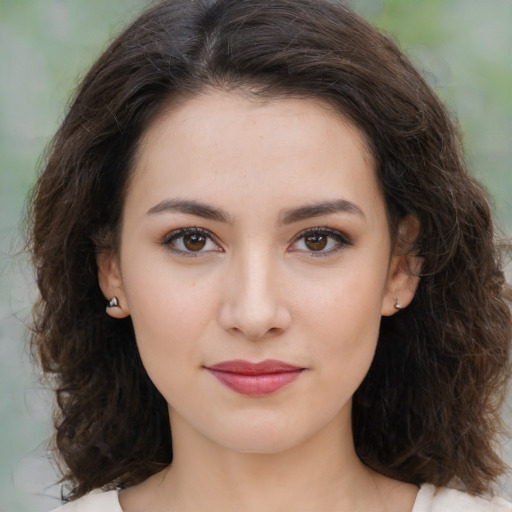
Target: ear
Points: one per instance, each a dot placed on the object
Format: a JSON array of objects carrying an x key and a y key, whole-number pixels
[
  {"x": 404, "y": 269},
  {"x": 111, "y": 283}
]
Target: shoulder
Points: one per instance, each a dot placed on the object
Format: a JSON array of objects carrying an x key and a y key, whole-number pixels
[
  {"x": 442, "y": 499},
  {"x": 95, "y": 501}
]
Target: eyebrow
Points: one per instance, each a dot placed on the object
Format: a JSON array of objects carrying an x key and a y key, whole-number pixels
[
  {"x": 190, "y": 207},
  {"x": 205, "y": 211},
  {"x": 319, "y": 209}
]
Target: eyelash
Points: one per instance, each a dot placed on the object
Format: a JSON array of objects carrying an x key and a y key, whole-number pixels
[
  {"x": 339, "y": 238},
  {"x": 175, "y": 235}
]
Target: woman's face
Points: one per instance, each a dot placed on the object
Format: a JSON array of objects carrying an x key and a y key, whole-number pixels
[{"x": 255, "y": 261}]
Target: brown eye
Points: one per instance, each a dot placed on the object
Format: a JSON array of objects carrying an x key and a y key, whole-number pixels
[
  {"x": 194, "y": 242},
  {"x": 321, "y": 241},
  {"x": 191, "y": 242},
  {"x": 316, "y": 242}
]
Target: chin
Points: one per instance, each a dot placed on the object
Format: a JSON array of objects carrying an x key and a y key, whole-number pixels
[{"x": 262, "y": 436}]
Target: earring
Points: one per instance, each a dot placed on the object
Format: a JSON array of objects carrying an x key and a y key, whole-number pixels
[
  {"x": 113, "y": 302},
  {"x": 398, "y": 306}
]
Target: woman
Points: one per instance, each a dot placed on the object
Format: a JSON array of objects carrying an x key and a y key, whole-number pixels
[{"x": 305, "y": 305}]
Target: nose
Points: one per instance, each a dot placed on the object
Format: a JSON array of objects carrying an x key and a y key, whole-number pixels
[{"x": 253, "y": 303}]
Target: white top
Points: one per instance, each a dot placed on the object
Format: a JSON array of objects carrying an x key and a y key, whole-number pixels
[{"x": 429, "y": 499}]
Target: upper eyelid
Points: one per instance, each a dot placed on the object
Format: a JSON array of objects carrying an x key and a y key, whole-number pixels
[
  {"x": 179, "y": 232},
  {"x": 186, "y": 230},
  {"x": 322, "y": 230}
]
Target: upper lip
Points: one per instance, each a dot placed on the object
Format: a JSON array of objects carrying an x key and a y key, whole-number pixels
[{"x": 242, "y": 367}]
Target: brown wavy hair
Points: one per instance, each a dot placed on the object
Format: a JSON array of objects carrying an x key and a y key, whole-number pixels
[{"x": 428, "y": 409}]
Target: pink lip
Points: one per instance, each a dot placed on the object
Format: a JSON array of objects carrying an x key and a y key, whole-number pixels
[{"x": 255, "y": 378}]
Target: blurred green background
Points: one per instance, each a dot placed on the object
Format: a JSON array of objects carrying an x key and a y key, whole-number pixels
[{"x": 463, "y": 47}]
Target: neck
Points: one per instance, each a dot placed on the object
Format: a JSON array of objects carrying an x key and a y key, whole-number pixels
[{"x": 322, "y": 473}]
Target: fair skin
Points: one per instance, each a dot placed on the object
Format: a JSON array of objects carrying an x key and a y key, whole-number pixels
[{"x": 257, "y": 275}]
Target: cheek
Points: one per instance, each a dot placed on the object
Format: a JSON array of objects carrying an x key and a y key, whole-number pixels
[
  {"x": 170, "y": 313},
  {"x": 344, "y": 318},
  {"x": 347, "y": 301},
  {"x": 162, "y": 295}
]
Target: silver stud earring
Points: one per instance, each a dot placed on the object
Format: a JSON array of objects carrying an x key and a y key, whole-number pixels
[
  {"x": 113, "y": 302},
  {"x": 397, "y": 303}
]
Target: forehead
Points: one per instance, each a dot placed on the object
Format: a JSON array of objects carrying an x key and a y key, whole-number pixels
[
  {"x": 241, "y": 108},
  {"x": 219, "y": 144}
]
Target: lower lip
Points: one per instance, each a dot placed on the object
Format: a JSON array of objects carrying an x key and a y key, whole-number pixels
[{"x": 254, "y": 385}]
